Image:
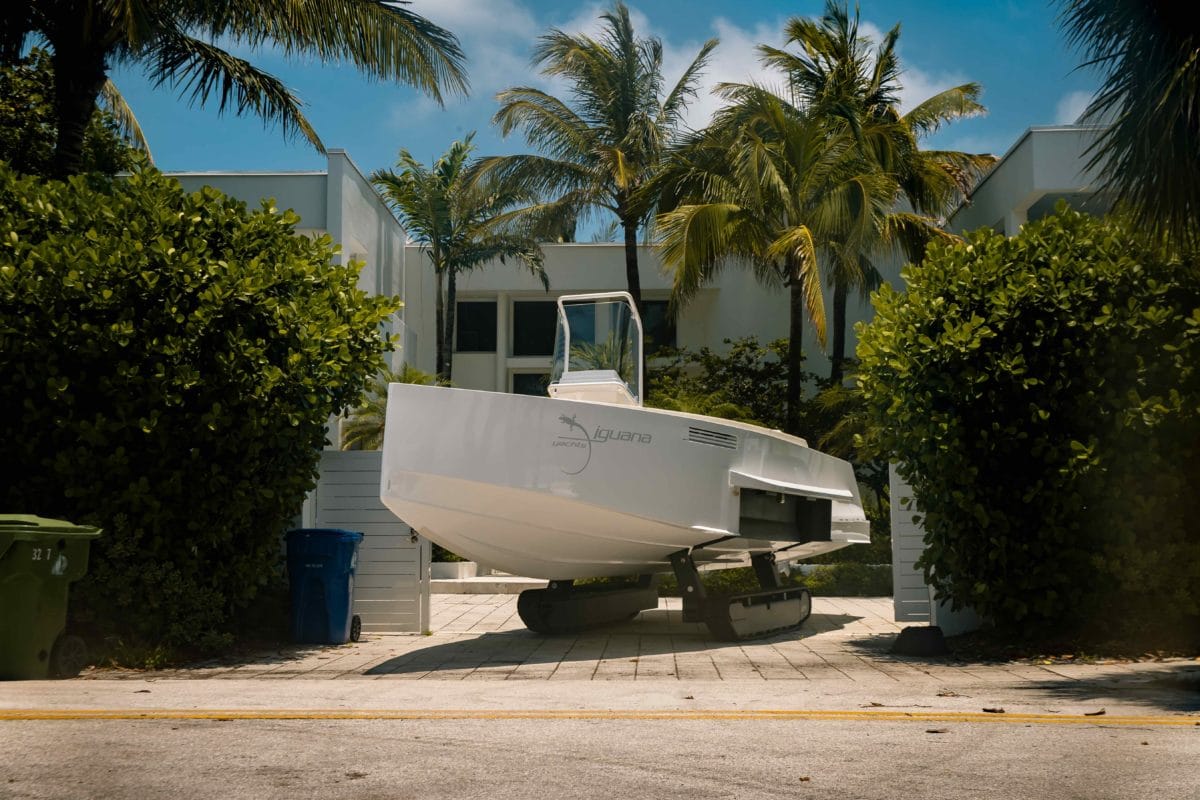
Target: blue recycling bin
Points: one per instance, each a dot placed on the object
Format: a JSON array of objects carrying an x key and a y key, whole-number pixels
[{"x": 321, "y": 563}]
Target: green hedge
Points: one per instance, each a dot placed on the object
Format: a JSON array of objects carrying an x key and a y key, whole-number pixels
[
  {"x": 1041, "y": 396},
  {"x": 170, "y": 361},
  {"x": 827, "y": 580}
]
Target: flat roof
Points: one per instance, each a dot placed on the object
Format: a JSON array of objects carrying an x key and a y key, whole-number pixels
[{"x": 1068, "y": 128}]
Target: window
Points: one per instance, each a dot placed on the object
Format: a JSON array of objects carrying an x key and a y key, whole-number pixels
[
  {"x": 475, "y": 327},
  {"x": 534, "y": 322},
  {"x": 582, "y": 319},
  {"x": 657, "y": 326},
  {"x": 534, "y": 383}
]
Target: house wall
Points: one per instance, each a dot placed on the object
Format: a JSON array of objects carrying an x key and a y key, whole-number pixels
[
  {"x": 302, "y": 192},
  {"x": 1045, "y": 161},
  {"x": 734, "y": 306}
]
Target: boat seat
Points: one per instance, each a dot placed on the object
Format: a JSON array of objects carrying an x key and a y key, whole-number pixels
[{"x": 593, "y": 385}]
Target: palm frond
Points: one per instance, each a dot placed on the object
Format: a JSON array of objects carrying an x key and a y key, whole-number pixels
[
  {"x": 694, "y": 242},
  {"x": 797, "y": 247},
  {"x": 127, "y": 124},
  {"x": 547, "y": 121},
  {"x": 16, "y": 26},
  {"x": 1148, "y": 58},
  {"x": 545, "y": 176},
  {"x": 200, "y": 70},
  {"x": 382, "y": 39},
  {"x": 673, "y": 105},
  {"x": 944, "y": 107},
  {"x": 364, "y": 428}
]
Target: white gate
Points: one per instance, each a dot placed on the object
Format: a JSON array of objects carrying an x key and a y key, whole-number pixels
[
  {"x": 391, "y": 583},
  {"x": 910, "y": 595},
  {"x": 912, "y": 599}
]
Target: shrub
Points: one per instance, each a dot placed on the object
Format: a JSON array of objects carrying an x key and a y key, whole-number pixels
[
  {"x": 748, "y": 384},
  {"x": 829, "y": 580},
  {"x": 170, "y": 361},
  {"x": 850, "y": 580},
  {"x": 1040, "y": 394}
]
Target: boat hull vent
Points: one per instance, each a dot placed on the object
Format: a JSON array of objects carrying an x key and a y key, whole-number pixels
[{"x": 714, "y": 438}]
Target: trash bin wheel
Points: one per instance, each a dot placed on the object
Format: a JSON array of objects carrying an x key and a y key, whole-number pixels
[
  {"x": 355, "y": 628},
  {"x": 68, "y": 657}
]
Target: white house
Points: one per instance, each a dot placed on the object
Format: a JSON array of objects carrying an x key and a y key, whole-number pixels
[
  {"x": 1045, "y": 165},
  {"x": 505, "y": 322},
  {"x": 505, "y": 319}
]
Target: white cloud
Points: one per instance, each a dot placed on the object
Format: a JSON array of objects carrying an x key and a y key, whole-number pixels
[
  {"x": 587, "y": 20},
  {"x": 735, "y": 60},
  {"x": 507, "y": 18},
  {"x": 918, "y": 85},
  {"x": 1071, "y": 107},
  {"x": 411, "y": 111},
  {"x": 496, "y": 35}
]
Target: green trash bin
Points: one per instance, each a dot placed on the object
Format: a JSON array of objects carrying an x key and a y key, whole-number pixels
[{"x": 39, "y": 559}]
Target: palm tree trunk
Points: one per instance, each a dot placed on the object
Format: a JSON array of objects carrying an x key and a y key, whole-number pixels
[
  {"x": 632, "y": 277},
  {"x": 838, "y": 356},
  {"x": 795, "y": 377},
  {"x": 439, "y": 334},
  {"x": 15, "y": 26},
  {"x": 451, "y": 313},
  {"x": 78, "y": 78}
]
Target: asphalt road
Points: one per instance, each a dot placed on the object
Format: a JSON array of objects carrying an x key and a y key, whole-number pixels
[{"x": 617, "y": 757}]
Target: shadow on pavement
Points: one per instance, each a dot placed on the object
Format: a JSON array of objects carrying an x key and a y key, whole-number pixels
[
  {"x": 1173, "y": 687},
  {"x": 656, "y": 631},
  {"x": 278, "y": 655}
]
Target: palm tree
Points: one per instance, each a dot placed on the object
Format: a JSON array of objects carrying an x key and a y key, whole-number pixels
[
  {"x": 1148, "y": 54},
  {"x": 613, "y": 353},
  {"x": 174, "y": 41},
  {"x": 465, "y": 218},
  {"x": 364, "y": 429},
  {"x": 771, "y": 186},
  {"x": 836, "y": 74},
  {"x": 27, "y": 122},
  {"x": 603, "y": 146}
]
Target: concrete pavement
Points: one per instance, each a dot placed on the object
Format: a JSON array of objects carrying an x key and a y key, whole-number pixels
[
  {"x": 484, "y": 709},
  {"x": 480, "y": 638},
  {"x": 837, "y": 662}
]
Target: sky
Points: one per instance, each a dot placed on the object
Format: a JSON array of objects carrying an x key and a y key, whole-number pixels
[{"x": 1014, "y": 50}]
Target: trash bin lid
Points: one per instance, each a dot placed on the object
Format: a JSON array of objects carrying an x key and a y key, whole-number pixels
[{"x": 30, "y": 526}]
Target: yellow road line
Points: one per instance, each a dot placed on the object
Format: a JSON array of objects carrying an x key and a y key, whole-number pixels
[{"x": 874, "y": 715}]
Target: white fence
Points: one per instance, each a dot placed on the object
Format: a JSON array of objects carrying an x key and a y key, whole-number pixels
[
  {"x": 910, "y": 595},
  {"x": 391, "y": 583},
  {"x": 911, "y": 598}
]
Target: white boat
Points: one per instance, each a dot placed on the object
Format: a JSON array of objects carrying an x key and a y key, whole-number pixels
[{"x": 589, "y": 483}]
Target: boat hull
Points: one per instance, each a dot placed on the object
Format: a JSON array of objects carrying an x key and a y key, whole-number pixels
[{"x": 557, "y": 489}]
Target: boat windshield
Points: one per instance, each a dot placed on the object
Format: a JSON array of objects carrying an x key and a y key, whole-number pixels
[{"x": 601, "y": 335}]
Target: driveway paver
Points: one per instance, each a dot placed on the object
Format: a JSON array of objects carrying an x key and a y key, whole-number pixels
[{"x": 478, "y": 637}]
